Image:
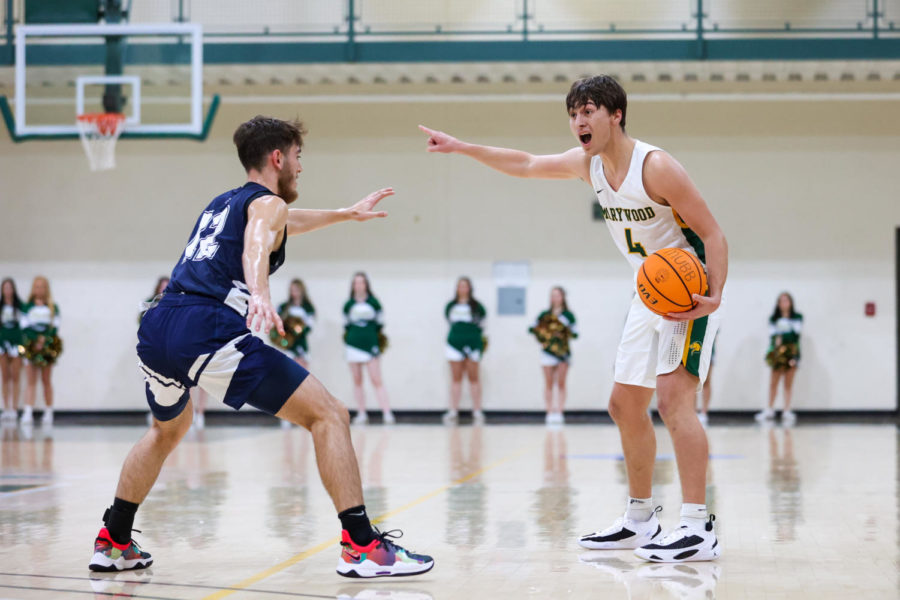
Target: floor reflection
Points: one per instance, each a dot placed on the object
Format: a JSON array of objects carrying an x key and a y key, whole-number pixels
[
  {"x": 189, "y": 485},
  {"x": 30, "y": 502},
  {"x": 644, "y": 581},
  {"x": 554, "y": 504},
  {"x": 379, "y": 593},
  {"x": 466, "y": 501},
  {"x": 289, "y": 515},
  {"x": 784, "y": 485},
  {"x": 370, "y": 445}
]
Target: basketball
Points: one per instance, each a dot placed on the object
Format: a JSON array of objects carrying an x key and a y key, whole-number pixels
[{"x": 668, "y": 279}]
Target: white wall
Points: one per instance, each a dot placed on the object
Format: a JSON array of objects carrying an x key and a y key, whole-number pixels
[{"x": 804, "y": 192}]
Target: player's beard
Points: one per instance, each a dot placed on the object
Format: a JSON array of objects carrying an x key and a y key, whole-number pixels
[{"x": 287, "y": 189}]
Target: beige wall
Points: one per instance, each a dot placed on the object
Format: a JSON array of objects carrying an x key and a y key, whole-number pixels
[{"x": 805, "y": 192}]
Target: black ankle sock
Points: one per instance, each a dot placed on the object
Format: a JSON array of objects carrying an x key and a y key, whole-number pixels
[
  {"x": 356, "y": 522},
  {"x": 119, "y": 519}
]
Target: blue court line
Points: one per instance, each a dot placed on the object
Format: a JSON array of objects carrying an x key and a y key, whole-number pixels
[
  {"x": 38, "y": 488},
  {"x": 660, "y": 457}
]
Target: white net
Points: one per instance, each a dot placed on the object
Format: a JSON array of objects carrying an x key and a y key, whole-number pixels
[{"x": 98, "y": 133}]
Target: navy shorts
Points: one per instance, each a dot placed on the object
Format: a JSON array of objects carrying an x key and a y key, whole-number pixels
[{"x": 188, "y": 340}]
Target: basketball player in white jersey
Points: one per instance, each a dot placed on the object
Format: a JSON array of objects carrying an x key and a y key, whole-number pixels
[{"x": 649, "y": 203}]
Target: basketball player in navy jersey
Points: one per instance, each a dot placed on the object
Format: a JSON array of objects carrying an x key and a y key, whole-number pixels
[
  {"x": 199, "y": 334},
  {"x": 649, "y": 203}
]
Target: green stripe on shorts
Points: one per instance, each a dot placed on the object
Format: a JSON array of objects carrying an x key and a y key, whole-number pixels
[{"x": 695, "y": 346}]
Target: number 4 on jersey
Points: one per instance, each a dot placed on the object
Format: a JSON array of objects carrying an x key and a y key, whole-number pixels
[
  {"x": 635, "y": 248},
  {"x": 201, "y": 248}
]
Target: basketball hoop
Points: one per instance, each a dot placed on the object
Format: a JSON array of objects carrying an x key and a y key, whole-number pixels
[{"x": 98, "y": 133}]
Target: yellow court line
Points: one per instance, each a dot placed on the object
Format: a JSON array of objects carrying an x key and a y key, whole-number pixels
[{"x": 327, "y": 544}]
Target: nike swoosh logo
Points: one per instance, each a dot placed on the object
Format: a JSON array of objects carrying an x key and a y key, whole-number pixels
[{"x": 598, "y": 191}]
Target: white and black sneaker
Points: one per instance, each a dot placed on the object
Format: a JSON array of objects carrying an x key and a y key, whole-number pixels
[
  {"x": 624, "y": 534},
  {"x": 684, "y": 544}
]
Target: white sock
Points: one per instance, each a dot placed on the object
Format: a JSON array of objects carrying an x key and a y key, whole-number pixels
[
  {"x": 694, "y": 516},
  {"x": 639, "y": 509},
  {"x": 27, "y": 410}
]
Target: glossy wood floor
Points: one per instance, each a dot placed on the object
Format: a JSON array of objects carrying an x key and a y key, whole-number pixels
[{"x": 239, "y": 512}]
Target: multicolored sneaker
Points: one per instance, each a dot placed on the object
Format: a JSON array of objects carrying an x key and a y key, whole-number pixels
[
  {"x": 381, "y": 558},
  {"x": 110, "y": 556}
]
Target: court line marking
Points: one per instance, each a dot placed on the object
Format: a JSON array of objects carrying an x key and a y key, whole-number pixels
[
  {"x": 110, "y": 594},
  {"x": 240, "y": 586},
  {"x": 40, "y": 487},
  {"x": 149, "y": 581}
]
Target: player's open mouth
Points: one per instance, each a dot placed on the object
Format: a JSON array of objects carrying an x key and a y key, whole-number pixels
[{"x": 585, "y": 138}]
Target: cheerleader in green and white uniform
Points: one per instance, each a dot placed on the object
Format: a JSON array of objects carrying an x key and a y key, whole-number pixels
[
  {"x": 363, "y": 340},
  {"x": 465, "y": 344},
  {"x": 297, "y": 313},
  {"x": 10, "y": 340},
  {"x": 553, "y": 329},
  {"x": 40, "y": 325},
  {"x": 783, "y": 356}
]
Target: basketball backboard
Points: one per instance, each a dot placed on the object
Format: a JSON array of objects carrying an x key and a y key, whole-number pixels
[{"x": 153, "y": 73}]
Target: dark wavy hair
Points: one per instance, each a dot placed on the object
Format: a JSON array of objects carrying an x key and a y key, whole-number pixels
[
  {"x": 601, "y": 90},
  {"x": 17, "y": 301},
  {"x": 305, "y": 302},
  {"x": 776, "y": 314},
  {"x": 473, "y": 303}
]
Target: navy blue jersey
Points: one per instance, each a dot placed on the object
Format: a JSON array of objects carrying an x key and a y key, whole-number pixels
[{"x": 211, "y": 264}]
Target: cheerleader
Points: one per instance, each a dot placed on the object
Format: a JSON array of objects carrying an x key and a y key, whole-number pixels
[
  {"x": 10, "y": 341},
  {"x": 298, "y": 315},
  {"x": 553, "y": 329},
  {"x": 783, "y": 356},
  {"x": 465, "y": 345},
  {"x": 40, "y": 324},
  {"x": 364, "y": 344}
]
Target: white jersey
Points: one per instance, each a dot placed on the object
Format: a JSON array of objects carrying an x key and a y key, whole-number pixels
[{"x": 640, "y": 226}]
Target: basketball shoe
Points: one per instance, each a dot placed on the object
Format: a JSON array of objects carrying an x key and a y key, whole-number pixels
[
  {"x": 683, "y": 544},
  {"x": 380, "y": 558},
  {"x": 110, "y": 556},
  {"x": 624, "y": 534}
]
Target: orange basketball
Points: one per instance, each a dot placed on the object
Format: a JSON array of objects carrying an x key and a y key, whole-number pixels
[{"x": 668, "y": 279}]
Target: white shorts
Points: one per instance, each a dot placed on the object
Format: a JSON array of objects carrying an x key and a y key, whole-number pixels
[
  {"x": 9, "y": 349},
  {"x": 652, "y": 346},
  {"x": 549, "y": 360},
  {"x": 355, "y": 355},
  {"x": 454, "y": 355}
]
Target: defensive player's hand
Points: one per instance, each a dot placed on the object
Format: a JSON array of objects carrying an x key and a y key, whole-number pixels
[
  {"x": 438, "y": 141},
  {"x": 261, "y": 315},
  {"x": 705, "y": 305},
  {"x": 362, "y": 210}
]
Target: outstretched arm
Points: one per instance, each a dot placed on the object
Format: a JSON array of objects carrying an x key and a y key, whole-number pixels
[
  {"x": 303, "y": 220},
  {"x": 572, "y": 164},
  {"x": 668, "y": 183},
  {"x": 266, "y": 217}
]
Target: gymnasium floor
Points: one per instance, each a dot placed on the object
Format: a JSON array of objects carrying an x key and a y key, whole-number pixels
[{"x": 239, "y": 512}]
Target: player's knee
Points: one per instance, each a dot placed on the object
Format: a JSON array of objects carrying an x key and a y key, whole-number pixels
[
  {"x": 623, "y": 412},
  {"x": 666, "y": 406},
  {"x": 330, "y": 410}
]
